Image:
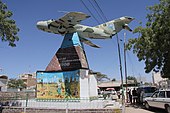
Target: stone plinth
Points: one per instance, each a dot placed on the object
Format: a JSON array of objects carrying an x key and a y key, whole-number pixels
[{"x": 70, "y": 56}]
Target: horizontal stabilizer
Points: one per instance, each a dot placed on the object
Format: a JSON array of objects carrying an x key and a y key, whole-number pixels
[
  {"x": 127, "y": 27},
  {"x": 88, "y": 42}
]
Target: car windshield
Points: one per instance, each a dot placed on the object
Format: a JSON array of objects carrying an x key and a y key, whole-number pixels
[
  {"x": 168, "y": 94},
  {"x": 149, "y": 89}
]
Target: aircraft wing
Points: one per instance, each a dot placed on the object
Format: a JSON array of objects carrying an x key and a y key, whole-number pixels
[
  {"x": 88, "y": 42},
  {"x": 69, "y": 20},
  {"x": 127, "y": 27}
]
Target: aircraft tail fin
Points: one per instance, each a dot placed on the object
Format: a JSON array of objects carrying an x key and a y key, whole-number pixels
[{"x": 114, "y": 26}]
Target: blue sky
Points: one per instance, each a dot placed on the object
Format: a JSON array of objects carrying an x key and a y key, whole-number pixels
[{"x": 35, "y": 48}]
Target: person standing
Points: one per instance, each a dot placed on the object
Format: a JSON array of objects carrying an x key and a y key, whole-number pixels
[
  {"x": 134, "y": 96},
  {"x": 139, "y": 93},
  {"x": 130, "y": 96},
  {"x": 118, "y": 94}
]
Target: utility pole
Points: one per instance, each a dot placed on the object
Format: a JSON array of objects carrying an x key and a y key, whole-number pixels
[
  {"x": 125, "y": 65},
  {"x": 123, "y": 97}
]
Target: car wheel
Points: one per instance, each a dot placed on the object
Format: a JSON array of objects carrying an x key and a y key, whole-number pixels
[
  {"x": 147, "y": 105},
  {"x": 167, "y": 108}
]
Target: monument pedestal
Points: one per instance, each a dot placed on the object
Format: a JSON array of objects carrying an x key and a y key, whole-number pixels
[
  {"x": 67, "y": 74},
  {"x": 70, "y": 56}
]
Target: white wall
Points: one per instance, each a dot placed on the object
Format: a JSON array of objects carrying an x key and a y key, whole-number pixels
[
  {"x": 84, "y": 88},
  {"x": 3, "y": 84},
  {"x": 88, "y": 85},
  {"x": 93, "y": 86},
  {"x": 157, "y": 78}
]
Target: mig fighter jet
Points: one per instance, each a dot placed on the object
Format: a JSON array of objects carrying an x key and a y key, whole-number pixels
[{"x": 70, "y": 23}]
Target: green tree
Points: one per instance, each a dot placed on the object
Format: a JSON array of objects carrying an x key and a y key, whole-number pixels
[
  {"x": 147, "y": 83},
  {"x": 101, "y": 76},
  {"x": 153, "y": 44},
  {"x": 114, "y": 79},
  {"x": 132, "y": 78},
  {"x": 8, "y": 28},
  {"x": 16, "y": 83}
]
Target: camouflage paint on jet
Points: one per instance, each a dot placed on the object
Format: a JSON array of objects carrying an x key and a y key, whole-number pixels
[{"x": 70, "y": 23}]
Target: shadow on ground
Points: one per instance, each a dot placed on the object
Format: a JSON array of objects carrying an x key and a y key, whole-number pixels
[{"x": 152, "y": 110}]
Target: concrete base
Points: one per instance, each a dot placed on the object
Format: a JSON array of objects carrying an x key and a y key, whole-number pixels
[{"x": 85, "y": 104}]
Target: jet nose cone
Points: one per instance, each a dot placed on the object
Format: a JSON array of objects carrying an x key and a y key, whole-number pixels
[{"x": 41, "y": 24}]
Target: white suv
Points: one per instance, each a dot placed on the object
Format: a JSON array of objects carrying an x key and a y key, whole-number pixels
[{"x": 160, "y": 99}]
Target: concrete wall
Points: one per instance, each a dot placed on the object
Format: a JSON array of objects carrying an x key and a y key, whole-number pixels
[
  {"x": 84, "y": 87},
  {"x": 93, "y": 86},
  {"x": 88, "y": 85},
  {"x": 3, "y": 84},
  {"x": 33, "y": 110}
]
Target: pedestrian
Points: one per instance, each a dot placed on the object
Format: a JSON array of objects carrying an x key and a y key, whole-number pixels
[
  {"x": 134, "y": 96},
  {"x": 130, "y": 95},
  {"x": 138, "y": 96},
  {"x": 118, "y": 94}
]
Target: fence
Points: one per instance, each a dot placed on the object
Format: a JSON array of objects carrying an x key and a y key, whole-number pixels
[{"x": 27, "y": 103}]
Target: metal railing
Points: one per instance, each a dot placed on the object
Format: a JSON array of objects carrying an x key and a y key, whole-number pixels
[{"x": 26, "y": 103}]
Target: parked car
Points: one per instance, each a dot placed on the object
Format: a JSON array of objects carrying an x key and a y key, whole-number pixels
[
  {"x": 160, "y": 99},
  {"x": 112, "y": 94},
  {"x": 145, "y": 91}
]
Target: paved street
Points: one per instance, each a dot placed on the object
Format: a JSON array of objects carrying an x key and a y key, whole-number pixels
[{"x": 138, "y": 109}]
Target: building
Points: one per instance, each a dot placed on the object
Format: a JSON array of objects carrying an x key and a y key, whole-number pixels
[
  {"x": 115, "y": 84},
  {"x": 29, "y": 80},
  {"x": 159, "y": 81},
  {"x": 3, "y": 83}
]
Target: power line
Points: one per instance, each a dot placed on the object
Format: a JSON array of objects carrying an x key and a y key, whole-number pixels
[
  {"x": 100, "y": 10},
  {"x": 90, "y": 11},
  {"x": 96, "y": 11}
]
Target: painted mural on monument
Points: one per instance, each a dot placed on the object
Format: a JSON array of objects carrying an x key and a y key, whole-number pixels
[{"x": 58, "y": 85}]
